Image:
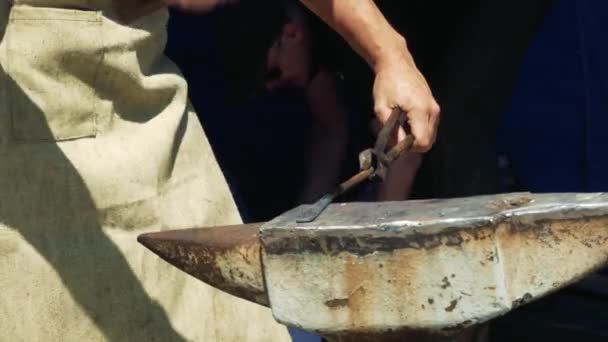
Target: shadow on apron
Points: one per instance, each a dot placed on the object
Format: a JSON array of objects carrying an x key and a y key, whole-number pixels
[{"x": 50, "y": 214}]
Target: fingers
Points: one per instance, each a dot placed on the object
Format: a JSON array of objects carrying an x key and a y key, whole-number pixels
[
  {"x": 383, "y": 110},
  {"x": 423, "y": 119}
]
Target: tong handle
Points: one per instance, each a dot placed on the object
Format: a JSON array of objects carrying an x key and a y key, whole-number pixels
[
  {"x": 384, "y": 158},
  {"x": 402, "y": 146},
  {"x": 384, "y": 136}
]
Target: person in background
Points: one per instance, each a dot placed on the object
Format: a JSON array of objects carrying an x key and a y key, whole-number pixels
[
  {"x": 305, "y": 59},
  {"x": 294, "y": 62},
  {"x": 457, "y": 45},
  {"x": 297, "y": 59}
]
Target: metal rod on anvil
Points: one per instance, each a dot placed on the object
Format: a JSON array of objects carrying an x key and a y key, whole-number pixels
[{"x": 313, "y": 212}]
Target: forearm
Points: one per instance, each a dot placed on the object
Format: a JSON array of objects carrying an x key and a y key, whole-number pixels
[
  {"x": 398, "y": 82},
  {"x": 363, "y": 26}
]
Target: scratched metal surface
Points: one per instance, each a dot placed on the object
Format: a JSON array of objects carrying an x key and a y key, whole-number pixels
[
  {"x": 438, "y": 265},
  {"x": 431, "y": 216}
]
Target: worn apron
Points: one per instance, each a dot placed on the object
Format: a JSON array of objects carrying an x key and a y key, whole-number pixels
[{"x": 98, "y": 144}]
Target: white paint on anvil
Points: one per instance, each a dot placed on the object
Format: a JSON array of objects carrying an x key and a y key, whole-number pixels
[{"x": 434, "y": 288}]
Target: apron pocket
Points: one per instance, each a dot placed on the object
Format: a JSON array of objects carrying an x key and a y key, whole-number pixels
[{"x": 53, "y": 60}]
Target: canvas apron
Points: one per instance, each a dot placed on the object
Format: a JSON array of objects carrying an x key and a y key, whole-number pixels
[{"x": 98, "y": 144}]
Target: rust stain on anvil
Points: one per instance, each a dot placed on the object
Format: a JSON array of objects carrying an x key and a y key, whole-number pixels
[
  {"x": 445, "y": 283},
  {"x": 336, "y": 303},
  {"x": 452, "y": 305},
  {"x": 227, "y": 258},
  {"x": 364, "y": 244},
  {"x": 523, "y": 300}
]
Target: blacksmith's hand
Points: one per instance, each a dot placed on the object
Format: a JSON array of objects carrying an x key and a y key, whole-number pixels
[{"x": 399, "y": 83}]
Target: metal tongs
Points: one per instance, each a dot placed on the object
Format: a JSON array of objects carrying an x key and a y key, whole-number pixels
[{"x": 373, "y": 164}]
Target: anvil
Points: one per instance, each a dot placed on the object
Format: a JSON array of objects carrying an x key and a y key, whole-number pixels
[{"x": 425, "y": 265}]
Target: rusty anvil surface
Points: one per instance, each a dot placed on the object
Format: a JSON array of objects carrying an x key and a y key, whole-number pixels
[{"x": 428, "y": 265}]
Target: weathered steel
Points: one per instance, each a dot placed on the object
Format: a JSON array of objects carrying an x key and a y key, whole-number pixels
[
  {"x": 416, "y": 267},
  {"x": 435, "y": 265},
  {"x": 227, "y": 258}
]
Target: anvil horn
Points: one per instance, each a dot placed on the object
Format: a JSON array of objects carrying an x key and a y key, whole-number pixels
[{"x": 227, "y": 258}]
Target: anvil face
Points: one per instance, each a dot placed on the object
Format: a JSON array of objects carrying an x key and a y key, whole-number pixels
[{"x": 431, "y": 266}]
